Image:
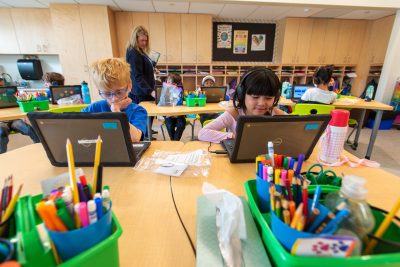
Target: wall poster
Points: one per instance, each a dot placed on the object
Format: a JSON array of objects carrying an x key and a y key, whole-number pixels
[
  {"x": 224, "y": 36},
  {"x": 240, "y": 42}
]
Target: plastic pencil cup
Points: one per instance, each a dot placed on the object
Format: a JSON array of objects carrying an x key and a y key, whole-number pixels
[
  {"x": 287, "y": 235},
  {"x": 72, "y": 243},
  {"x": 263, "y": 198}
]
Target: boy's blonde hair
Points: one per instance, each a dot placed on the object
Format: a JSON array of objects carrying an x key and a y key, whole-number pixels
[
  {"x": 110, "y": 72},
  {"x": 132, "y": 42}
]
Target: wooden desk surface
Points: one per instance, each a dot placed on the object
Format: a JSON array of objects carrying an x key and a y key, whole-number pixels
[
  {"x": 152, "y": 234},
  {"x": 356, "y": 103},
  {"x": 15, "y": 113},
  {"x": 383, "y": 187},
  {"x": 154, "y": 110}
]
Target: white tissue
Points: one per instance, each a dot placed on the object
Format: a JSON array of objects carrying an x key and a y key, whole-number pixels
[{"x": 231, "y": 227}]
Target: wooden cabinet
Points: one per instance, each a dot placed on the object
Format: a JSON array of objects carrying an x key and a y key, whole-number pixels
[
  {"x": 296, "y": 42},
  {"x": 323, "y": 41},
  {"x": 8, "y": 43},
  {"x": 189, "y": 29},
  {"x": 204, "y": 38},
  {"x": 173, "y": 38},
  {"x": 124, "y": 26},
  {"x": 379, "y": 39},
  {"x": 140, "y": 18},
  {"x": 349, "y": 42},
  {"x": 83, "y": 35},
  {"x": 157, "y": 35},
  {"x": 34, "y": 30}
]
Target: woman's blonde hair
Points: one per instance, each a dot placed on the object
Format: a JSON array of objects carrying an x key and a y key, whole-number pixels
[
  {"x": 110, "y": 72},
  {"x": 133, "y": 43}
]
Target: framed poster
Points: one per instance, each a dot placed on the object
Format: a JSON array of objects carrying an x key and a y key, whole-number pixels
[
  {"x": 240, "y": 42},
  {"x": 258, "y": 42},
  {"x": 224, "y": 36}
]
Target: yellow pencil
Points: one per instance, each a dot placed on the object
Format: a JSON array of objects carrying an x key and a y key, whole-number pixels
[
  {"x": 96, "y": 164},
  {"x": 72, "y": 177},
  {"x": 383, "y": 227}
]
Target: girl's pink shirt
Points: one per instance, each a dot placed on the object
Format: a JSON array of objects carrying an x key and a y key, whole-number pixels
[{"x": 212, "y": 131}]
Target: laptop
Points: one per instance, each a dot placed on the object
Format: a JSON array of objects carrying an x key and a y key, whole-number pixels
[
  {"x": 159, "y": 90},
  {"x": 214, "y": 94},
  {"x": 291, "y": 135},
  {"x": 299, "y": 90},
  {"x": 7, "y": 96},
  {"x": 62, "y": 91},
  {"x": 82, "y": 129}
]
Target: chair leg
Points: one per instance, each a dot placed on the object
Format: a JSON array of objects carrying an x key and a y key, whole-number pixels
[
  {"x": 192, "y": 125},
  {"x": 162, "y": 131},
  {"x": 352, "y": 144}
]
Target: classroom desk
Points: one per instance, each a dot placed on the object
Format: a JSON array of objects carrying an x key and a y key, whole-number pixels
[
  {"x": 15, "y": 113},
  {"x": 356, "y": 104},
  {"x": 383, "y": 187},
  {"x": 154, "y": 110},
  {"x": 152, "y": 234}
]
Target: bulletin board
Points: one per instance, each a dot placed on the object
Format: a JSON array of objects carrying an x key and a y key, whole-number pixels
[{"x": 234, "y": 41}]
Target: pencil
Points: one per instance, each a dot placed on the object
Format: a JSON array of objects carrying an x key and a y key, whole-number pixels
[
  {"x": 96, "y": 164},
  {"x": 9, "y": 190},
  {"x": 3, "y": 191},
  {"x": 72, "y": 177},
  {"x": 383, "y": 227},
  {"x": 11, "y": 206}
]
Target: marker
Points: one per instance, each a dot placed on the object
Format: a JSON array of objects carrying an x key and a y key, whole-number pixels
[
  {"x": 67, "y": 197},
  {"x": 277, "y": 175},
  {"x": 99, "y": 184},
  {"x": 285, "y": 163},
  {"x": 305, "y": 199},
  {"x": 86, "y": 189},
  {"x": 106, "y": 199},
  {"x": 99, "y": 207},
  {"x": 78, "y": 222},
  {"x": 291, "y": 164},
  {"x": 327, "y": 219},
  {"x": 271, "y": 152},
  {"x": 341, "y": 215},
  {"x": 64, "y": 214},
  {"x": 299, "y": 165},
  {"x": 82, "y": 196},
  {"x": 265, "y": 172},
  {"x": 91, "y": 207},
  {"x": 270, "y": 174},
  {"x": 83, "y": 214},
  {"x": 52, "y": 212},
  {"x": 316, "y": 197},
  {"x": 278, "y": 209},
  {"x": 272, "y": 196}
]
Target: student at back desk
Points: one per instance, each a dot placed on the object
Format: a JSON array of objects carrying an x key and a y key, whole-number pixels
[{"x": 257, "y": 94}]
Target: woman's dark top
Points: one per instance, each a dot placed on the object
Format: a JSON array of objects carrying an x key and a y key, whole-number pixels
[{"x": 142, "y": 75}]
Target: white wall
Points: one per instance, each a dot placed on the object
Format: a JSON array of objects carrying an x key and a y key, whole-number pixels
[{"x": 8, "y": 64}]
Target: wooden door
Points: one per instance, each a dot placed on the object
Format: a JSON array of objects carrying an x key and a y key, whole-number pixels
[
  {"x": 68, "y": 34},
  {"x": 204, "y": 38},
  {"x": 173, "y": 38},
  {"x": 330, "y": 41},
  {"x": 290, "y": 40},
  {"x": 33, "y": 29},
  {"x": 317, "y": 41},
  {"x": 303, "y": 40},
  {"x": 124, "y": 26},
  {"x": 8, "y": 43},
  {"x": 189, "y": 29},
  {"x": 157, "y": 35}
]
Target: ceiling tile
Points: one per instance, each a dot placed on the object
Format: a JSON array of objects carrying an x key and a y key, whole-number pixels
[
  {"x": 331, "y": 13},
  {"x": 268, "y": 12},
  {"x": 23, "y": 3},
  {"x": 301, "y": 12},
  {"x": 109, "y": 3},
  {"x": 48, "y": 2},
  {"x": 138, "y": 6},
  {"x": 171, "y": 7},
  {"x": 366, "y": 14},
  {"x": 237, "y": 11},
  {"x": 205, "y": 8},
  {"x": 4, "y": 4}
]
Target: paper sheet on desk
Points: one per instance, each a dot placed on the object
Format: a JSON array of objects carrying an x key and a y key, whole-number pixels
[
  {"x": 191, "y": 158},
  {"x": 347, "y": 100}
]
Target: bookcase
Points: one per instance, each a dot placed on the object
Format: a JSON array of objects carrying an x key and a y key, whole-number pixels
[{"x": 225, "y": 73}]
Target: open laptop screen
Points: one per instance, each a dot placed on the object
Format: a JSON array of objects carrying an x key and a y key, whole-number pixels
[
  {"x": 214, "y": 94},
  {"x": 291, "y": 135},
  {"x": 299, "y": 90},
  {"x": 62, "y": 91},
  {"x": 7, "y": 97},
  {"x": 83, "y": 129}
]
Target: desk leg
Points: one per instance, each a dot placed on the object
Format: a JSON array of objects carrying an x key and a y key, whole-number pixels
[
  {"x": 374, "y": 133},
  {"x": 359, "y": 128},
  {"x": 149, "y": 128}
]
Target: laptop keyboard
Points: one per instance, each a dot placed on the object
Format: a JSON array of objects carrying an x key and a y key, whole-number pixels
[{"x": 229, "y": 144}]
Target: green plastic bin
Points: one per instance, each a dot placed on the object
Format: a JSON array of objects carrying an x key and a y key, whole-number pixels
[
  {"x": 31, "y": 253},
  {"x": 30, "y": 106},
  {"x": 196, "y": 102},
  {"x": 280, "y": 257}
]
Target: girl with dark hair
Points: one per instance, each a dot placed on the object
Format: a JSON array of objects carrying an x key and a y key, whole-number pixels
[
  {"x": 257, "y": 94},
  {"x": 320, "y": 93}
]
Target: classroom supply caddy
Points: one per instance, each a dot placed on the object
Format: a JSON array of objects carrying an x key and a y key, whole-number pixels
[
  {"x": 388, "y": 254},
  {"x": 196, "y": 99},
  {"x": 28, "y": 102}
]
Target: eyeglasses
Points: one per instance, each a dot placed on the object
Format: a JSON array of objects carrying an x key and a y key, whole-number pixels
[{"x": 120, "y": 93}]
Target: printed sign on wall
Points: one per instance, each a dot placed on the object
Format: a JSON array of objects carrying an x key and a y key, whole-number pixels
[
  {"x": 224, "y": 36},
  {"x": 240, "y": 42}
]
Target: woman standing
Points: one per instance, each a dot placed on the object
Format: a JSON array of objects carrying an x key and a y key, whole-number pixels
[{"x": 142, "y": 67}]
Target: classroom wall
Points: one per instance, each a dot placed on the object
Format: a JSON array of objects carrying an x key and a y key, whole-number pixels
[{"x": 8, "y": 64}]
